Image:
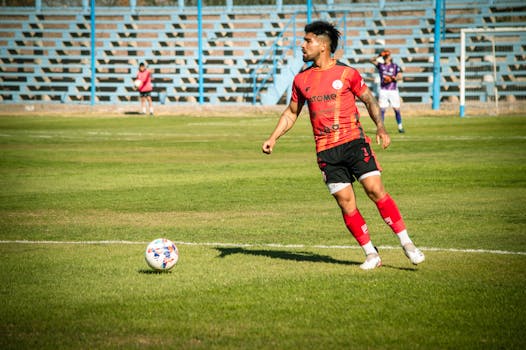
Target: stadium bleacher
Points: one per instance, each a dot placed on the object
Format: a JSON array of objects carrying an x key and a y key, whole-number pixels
[{"x": 249, "y": 52}]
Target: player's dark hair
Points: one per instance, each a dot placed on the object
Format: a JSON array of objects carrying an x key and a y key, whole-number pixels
[
  {"x": 324, "y": 28},
  {"x": 142, "y": 64}
]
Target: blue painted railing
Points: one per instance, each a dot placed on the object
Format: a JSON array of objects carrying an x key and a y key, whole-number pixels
[
  {"x": 261, "y": 79},
  {"x": 262, "y": 74}
]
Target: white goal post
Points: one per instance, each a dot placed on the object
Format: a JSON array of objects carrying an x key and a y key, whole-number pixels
[{"x": 492, "y": 55}]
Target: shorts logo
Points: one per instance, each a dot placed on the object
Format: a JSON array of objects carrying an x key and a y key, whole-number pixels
[
  {"x": 321, "y": 164},
  {"x": 366, "y": 155},
  {"x": 337, "y": 84}
]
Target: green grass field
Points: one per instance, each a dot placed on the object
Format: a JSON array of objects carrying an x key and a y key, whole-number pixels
[{"x": 266, "y": 262}]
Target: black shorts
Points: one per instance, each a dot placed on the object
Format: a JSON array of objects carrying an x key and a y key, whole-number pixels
[
  {"x": 145, "y": 93},
  {"x": 348, "y": 162}
]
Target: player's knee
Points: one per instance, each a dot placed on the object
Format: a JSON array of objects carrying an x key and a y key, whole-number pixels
[
  {"x": 375, "y": 190},
  {"x": 347, "y": 207},
  {"x": 377, "y": 195},
  {"x": 346, "y": 201}
]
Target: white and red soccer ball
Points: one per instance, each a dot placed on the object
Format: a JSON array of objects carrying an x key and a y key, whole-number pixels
[{"x": 161, "y": 254}]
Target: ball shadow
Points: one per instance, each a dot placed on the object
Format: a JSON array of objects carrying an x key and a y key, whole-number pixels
[{"x": 153, "y": 272}]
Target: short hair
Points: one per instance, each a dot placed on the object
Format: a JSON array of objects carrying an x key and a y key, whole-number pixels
[{"x": 327, "y": 29}]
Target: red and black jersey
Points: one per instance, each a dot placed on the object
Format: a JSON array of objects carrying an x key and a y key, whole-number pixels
[{"x": 331, "y": 97}]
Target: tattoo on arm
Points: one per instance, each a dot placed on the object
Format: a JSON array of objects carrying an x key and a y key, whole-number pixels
[
  {"x": 286, "y": 125},
  {"x": 286, "y": 122},
  {"x": 289, "y": 123},
  {"x": 372, "y": 107}
]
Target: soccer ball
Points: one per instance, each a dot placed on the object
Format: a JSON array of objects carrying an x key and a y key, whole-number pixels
[
  {"x": 161, "y": 254},
  {"x": 137, "y": 83}
]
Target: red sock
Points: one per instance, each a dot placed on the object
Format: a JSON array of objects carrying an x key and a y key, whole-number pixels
[
  {"x": 390, "y": 213},
  {"x": 357, "y": 226}
]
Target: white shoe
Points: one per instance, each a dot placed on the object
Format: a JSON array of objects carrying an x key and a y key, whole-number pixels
[
  {"x": 413, "y": 253},
  {"x": 372, "y": 261}
]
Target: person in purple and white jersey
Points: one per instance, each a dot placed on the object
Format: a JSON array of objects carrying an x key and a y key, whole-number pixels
[{"x": 390, "y": 73}]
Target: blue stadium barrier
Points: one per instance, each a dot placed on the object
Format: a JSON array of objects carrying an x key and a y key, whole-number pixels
[{"x": 250, "y": 53}]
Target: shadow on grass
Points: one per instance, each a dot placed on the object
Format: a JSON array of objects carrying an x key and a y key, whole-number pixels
[
  {"x": 295, "y": 256},
  {"x": 285, "y": 255},
  {"x": 153, "y": 272}
]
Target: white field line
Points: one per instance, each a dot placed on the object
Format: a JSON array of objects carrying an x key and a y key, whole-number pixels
[
  {"x": 266, "y": 245},
  {"x": 107, "y": 134}
]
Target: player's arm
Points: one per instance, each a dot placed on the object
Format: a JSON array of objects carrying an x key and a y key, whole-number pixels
[
  {"x": 373, "y": 108},
  {"x": 286, "y": 122},
  {"x": 398, "y": 75},
  {"x": 379, "y": 59}
]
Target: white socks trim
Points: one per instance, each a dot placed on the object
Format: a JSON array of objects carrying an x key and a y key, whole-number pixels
[
  {"x": 404, "y": 238},
  {"x": 369, "y": 248}
]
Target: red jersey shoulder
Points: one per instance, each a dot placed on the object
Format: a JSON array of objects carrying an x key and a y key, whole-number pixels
[
  {"x": 353, "y": 72},
  {"x": 302, "y": 73},
  {"x": 355, "y": 81},
  {"x": 341, "y": 75},
  {"x": 336, "y": 70},
  {"x": 298, "y": 86}
]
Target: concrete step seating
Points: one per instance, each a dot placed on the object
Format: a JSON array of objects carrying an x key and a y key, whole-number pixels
[{"x": 46, "y": 56}]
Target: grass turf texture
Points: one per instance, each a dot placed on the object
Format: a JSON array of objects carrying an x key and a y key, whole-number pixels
[{"x": 460, "y": 183}]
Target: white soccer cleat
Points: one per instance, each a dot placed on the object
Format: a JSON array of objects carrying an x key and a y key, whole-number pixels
[
  {"x": 372, "y": 261},
  {"x": 413, "y": 253}
]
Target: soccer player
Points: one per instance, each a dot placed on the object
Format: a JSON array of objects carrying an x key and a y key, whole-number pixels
[
  {"x": 390, "y": 73},
  {"x": 145, "y": 89},
  {"x": 344, "y": 154}
]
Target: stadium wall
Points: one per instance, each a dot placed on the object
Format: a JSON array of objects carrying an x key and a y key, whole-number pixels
[{"x": 46, "y": 53}]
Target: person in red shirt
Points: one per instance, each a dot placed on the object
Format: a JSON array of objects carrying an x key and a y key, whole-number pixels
[
  {"x": 145, "y": 88},
  {"x": 344, "y": 154}
]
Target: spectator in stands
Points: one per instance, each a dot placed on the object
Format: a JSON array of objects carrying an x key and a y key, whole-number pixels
[
  {"x": 145, "y": 87},
  {"x": 390, "y": 73}
]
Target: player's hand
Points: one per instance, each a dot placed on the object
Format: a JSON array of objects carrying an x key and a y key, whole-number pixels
[
  {"x": 268, "y": 146},
  {"x": 382, "y": 137},
  {"x": 388, "y": 79}
]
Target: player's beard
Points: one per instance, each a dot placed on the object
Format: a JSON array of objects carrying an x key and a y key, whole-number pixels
[{"x": 306, "y": 58}]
